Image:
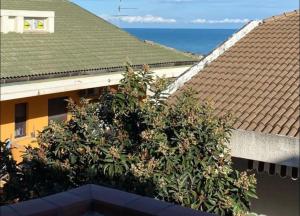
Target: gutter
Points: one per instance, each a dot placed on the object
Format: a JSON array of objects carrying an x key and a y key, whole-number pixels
[{"x": 93, "y": 71}]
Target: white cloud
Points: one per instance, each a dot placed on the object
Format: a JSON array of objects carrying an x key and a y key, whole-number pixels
[
  {"x": 222, "y": 21},
  {"x": 140, "y": 19},
  {"x": 199, "y": 21},
  {"x": 146, "y": 19}
]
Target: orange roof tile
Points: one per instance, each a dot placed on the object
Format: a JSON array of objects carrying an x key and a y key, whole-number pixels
[{"x": 257, "y": 79}]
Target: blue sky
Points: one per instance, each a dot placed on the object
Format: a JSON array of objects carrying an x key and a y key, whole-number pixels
[{"x": 186, "y": 13}]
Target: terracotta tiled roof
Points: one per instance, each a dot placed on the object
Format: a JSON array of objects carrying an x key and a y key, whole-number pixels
[{"x": 257, "y": 79}]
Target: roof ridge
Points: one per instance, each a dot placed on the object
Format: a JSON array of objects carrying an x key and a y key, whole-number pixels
[{"x": 280, "y": 16}]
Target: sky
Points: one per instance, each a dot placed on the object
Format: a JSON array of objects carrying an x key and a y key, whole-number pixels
[{"x": 225, "y": 14}]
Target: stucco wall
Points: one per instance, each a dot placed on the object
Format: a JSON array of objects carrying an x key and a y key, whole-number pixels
[
  {"x": 37, "y": 119},
  {"x": 269, "y": 148}
]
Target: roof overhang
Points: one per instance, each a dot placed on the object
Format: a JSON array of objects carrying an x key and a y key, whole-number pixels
[
  {"x": 268, "y": 148},
  {"x": 90, "y": 72},
  {"x": 43, "y": 87}
]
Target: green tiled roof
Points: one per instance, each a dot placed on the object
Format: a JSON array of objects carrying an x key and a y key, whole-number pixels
[{"x": 81, "y": 41}]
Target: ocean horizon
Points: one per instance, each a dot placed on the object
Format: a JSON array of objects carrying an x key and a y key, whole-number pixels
[{"x": 197, "y": 41}]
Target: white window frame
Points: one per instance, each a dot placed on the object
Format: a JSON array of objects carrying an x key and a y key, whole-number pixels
[
  {"x": 24, "y": 14},
  {"x": 33, "y": 27}
]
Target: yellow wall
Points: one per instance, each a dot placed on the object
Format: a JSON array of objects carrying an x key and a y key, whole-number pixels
[{"x": 37, "y": 119}]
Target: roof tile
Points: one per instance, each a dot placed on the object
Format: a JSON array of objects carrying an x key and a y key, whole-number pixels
[
  {"x": 81, "y": 41},
  {"x": 258, "y": 78}
]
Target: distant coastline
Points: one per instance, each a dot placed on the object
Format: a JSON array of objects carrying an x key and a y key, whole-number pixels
[{"x": 197, "y": 41}]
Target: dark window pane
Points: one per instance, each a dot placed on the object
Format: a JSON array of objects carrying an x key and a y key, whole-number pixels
[
  {"x": 20, "y": 119},
  {"x": 283, "y": 171},
  {"x": 261, "y": 166},
  {"x": 295, "y": 172},
  {"x": 57, "y": 109},
  {"x": 272, "y": 169},
  {"x": 250, "y": 164}
]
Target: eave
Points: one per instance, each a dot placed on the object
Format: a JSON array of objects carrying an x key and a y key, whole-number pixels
[{"x": 25, "y": 89}]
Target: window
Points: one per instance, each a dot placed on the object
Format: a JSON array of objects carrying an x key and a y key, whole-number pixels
[
  {"x": 272, "y": 169},
  {"x": 283, "y": 171},
  {"x": 250, "y": 164},
  {"x": 21, "y": 21},
  {"x": 57, "y": 109},
  {"x": 295, "y": 172},
  {"x": 34, "y": 24},
  {"x": 20, "y": 119},
  {"x": 261, "y": 166}
]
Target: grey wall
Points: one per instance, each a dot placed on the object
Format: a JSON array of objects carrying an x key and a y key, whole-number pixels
[{"x": 269, "y": 148}]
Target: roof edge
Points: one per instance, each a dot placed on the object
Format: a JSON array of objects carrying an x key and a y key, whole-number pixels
[
  {"x": 186, "y": 76},
  {"x": 92, "y": 71}
]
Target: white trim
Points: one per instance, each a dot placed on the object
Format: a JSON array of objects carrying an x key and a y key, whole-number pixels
[
  {"x": 180, "y": 81},
  {"x": 18, "y": 16},
  {"x": 268, "y": 148},
  {"x": 27, "y": 13},
  {"x": 36, "y": 88}
]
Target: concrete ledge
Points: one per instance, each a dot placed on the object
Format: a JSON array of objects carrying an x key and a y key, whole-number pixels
[
  {"x": 93, "y": 199},
  {"x": 268, "y": 148}
]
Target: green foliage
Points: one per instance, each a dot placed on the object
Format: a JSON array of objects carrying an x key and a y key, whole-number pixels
[
  {"x": 140, "y": 144},
  {"x": 7, "y": 165}
]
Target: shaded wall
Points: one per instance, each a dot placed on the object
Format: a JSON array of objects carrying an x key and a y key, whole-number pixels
[{"x": 277, "y": 196}]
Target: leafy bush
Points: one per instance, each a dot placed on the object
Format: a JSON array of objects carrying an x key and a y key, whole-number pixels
[
  {"x": 7, "y": 165},
  {"x": 140, "y": 144}
]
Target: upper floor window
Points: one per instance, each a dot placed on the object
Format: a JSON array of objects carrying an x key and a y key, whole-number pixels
[
  {"x": 57, "y": 109},
  {"x": 20, "y": 119},
  {"x": 34, "y": 24}
]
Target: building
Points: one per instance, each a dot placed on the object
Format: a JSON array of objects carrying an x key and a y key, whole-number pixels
[
  {"x": 255, "y": 76},
  {"x": 52, "y": 50}
]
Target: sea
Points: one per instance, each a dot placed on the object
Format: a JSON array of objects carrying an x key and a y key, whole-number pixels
[{"x": 197, "y": 41}]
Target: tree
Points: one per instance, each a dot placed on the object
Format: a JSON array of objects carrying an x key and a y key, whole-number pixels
[{"x": 140, "y": 144}]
